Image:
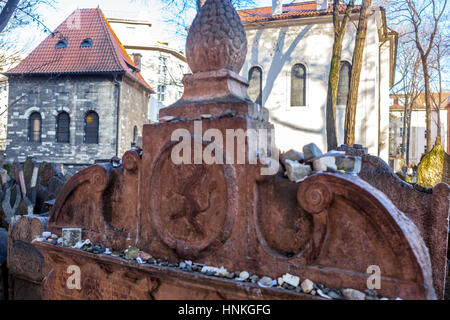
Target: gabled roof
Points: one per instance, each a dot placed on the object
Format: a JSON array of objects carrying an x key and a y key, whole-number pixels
[
  {"x": 107, "y": 55},
  {"x": 292, "y": 10}
]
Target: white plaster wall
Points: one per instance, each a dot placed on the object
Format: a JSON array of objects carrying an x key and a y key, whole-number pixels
[
  {"x": 418, "y": 141},
  {"x": 277, "y": 49}
]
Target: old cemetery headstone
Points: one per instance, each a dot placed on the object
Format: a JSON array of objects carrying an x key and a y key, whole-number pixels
[
  {"x": 434, "y": 166},
  {"x": 22, "y": 195},
  {"x": 156, "y": 228},
  {"x": 28, "y": 188},
  {"x": 428, "y": 208},
  {"x": 3, "y": 269}
]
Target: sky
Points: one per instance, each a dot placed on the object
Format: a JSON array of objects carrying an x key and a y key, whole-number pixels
[{"x": 150, "y": 10}]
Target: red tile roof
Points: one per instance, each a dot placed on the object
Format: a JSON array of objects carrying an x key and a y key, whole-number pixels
[
  {"x": 293, "y": 10},
  {"x": 107, "y": 55}
]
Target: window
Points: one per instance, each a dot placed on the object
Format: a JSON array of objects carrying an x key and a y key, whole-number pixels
[
  {"x": 161, "y": 92},
  {"x": 298, "y": 85},
  {"x": 61, "y": 44},
  {"x": 34, "y": 127},
  {"x": 344, "y": 83},
  {"x": 255, "y": 85},
  {"x": 63, "y": 127},
  {"x": 162, "y": 65},
  {"x": 91, "y": 127},
  {"x": 86, "y": 43}
]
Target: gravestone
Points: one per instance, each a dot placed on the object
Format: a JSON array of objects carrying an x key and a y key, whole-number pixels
[
  {"x": 329, "y": 228},
  {"x": 434, "y": 166}
]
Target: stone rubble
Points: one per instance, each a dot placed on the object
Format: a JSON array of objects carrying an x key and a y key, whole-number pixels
[
  {"x": 352, "y": 294},
  {"x": 296, "y": 171},
  {"x": 291, "y": 280},
  {"x": 291, "y": 155},
  {"x": 307, "y": 286},
  {"x": 322, "y": 164},
  {"x": 311, "y": 151},
  {"x": 298, "y": 166},
  {"x": 284, "y": 282}
]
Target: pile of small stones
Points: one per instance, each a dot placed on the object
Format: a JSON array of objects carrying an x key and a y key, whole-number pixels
[
  {"x": 285, "y": 282},
  {"x": 298, "y": 166}
]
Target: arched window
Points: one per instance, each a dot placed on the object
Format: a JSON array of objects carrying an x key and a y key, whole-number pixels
[
  {"x": 63, "y": 127},
  {"x": 34, "y": 127},
  {"x": 298, "y": 85},
  {"x": 91, "y": 127},
  {"x": 344, "y": 83},
  {"x": 255, "y": 85}
]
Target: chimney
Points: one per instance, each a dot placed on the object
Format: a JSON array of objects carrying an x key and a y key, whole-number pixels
[
  {"x": 137, "y": 60},
  {"x": 277, "y": 7}
]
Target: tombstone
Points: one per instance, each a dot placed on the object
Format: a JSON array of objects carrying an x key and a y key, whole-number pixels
[
  {"x": 3, "y": 269},
  {"x": 25, "y": 262},
  {"x": 329, "y": 228},
  {"x": 434, "y": 166},
  {"x": 428, "y": 208}
]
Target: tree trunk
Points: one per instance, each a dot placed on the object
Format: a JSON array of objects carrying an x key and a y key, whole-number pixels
[
  {"x": 358, "y": 52},
  {"x": 426, "y": 78},
  {"x": 333, "y": 77},
  {"x": 7, "y": 12},
  {"x": 405, "y": 119},
  {"x": 408, "y": 136},
  {"x": 333, "y": 81}
]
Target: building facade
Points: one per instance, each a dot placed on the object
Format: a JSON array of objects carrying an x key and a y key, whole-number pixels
[
  {"x": 418, "y": 138},
  {"x": 288, "y": 62},
  {"x": 161, "y": 66},
  {"x": 78, "y": 97}
]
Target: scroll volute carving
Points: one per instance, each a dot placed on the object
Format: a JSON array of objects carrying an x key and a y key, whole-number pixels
[
  {"x": 79, "y": 203},
  {"x": 355, "y": 224}
]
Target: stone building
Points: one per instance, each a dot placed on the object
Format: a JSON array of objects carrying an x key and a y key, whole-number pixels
[
  {"x": 418, "y": 138},
  {"x": 288, "y": 62},
  {"x": 161, "y": 66},
  {"x": 78, "y": 96}
]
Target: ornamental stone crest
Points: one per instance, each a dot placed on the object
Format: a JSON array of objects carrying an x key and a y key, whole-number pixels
[{"x": 216, "y": 39}]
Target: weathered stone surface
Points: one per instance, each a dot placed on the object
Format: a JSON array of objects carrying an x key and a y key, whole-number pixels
[
  {"x": 215, "y": 42},
  {"x": 311, "y": 151},
  {"x": 428, "y": 208},
  {"x": 290, "y": 279},
  {"x": 297, "y": 171},
  {"x": 291, "y": 155},
  {"x": 430, "y": 170},
  {"x": 131, "y": 253},
  {"x": 350, "y": 164},
  {"x": 307, "y": 286},
  {"x": 244, "y": 275},
  {"x": 327, "y": 228},
  {"x": 323, "y": 163},
  {"x": 70, "y": 236},
  {"x": 351, "y": 294}
]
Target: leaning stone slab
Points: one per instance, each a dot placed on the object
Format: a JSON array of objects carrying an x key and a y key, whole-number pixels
[
  {"x": 291, "y": 155},
  {"x": 311, "y": 151},
  {"x": 70, "y": 236},
  {"x": 297, "y": 171}
]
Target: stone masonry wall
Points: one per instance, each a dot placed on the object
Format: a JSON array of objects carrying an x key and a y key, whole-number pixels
[
  {"x": 134, "y": 108},
  {"x": 49, "y": 96}
]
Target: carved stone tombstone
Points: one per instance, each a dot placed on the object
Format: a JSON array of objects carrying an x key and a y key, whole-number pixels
[
  {"x": 329, "y": 228},
  {"x": 434, "y": 166}
]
